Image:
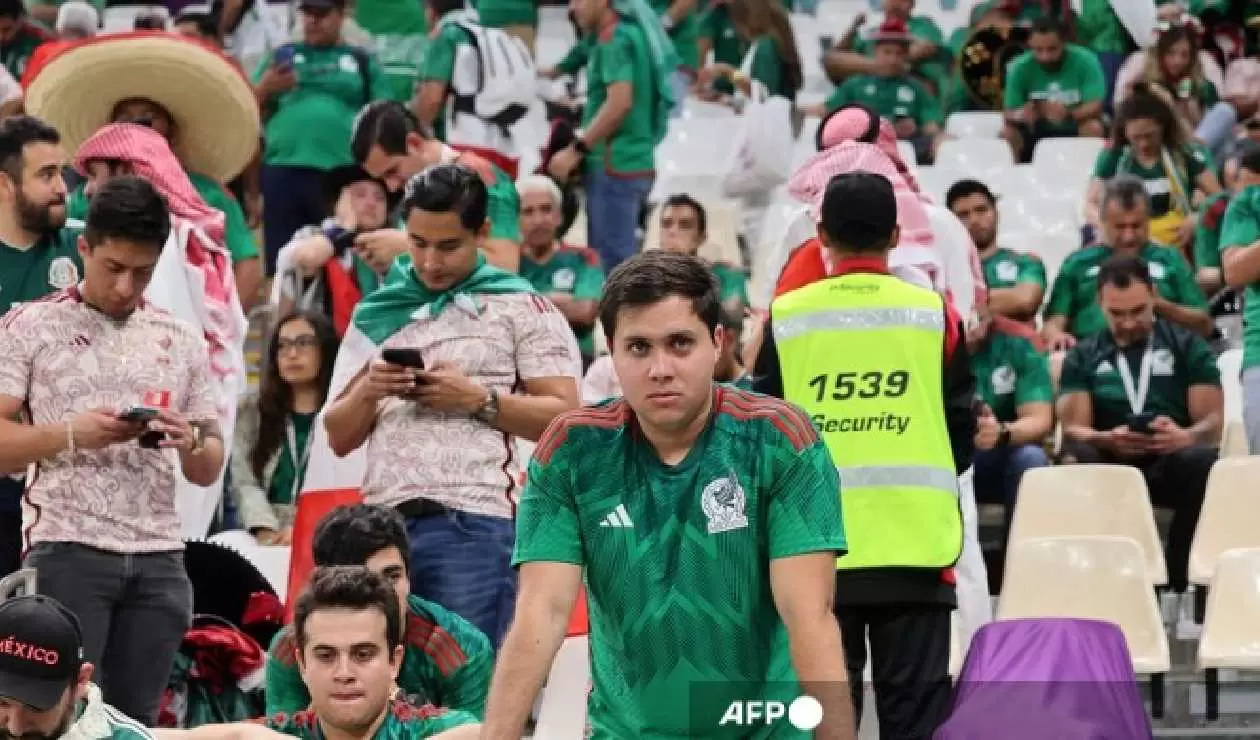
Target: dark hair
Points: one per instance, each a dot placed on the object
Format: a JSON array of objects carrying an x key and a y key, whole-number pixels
[
  {"x": 682, "y": 200},
  {"x": 349, "y": 535},
  {"x": 15, "y": 133},
  {"x": 1143, "y": 103},
  {"x": 384, "y": 123},
  {"x": 859, "y": 211},
  {"x": 966, "y": 188},
  {"x": 1250, "y": 160},
  {"x": 1122, "y": 270},
  {"x": 1047, "y": 24},
  {"x": 149, "y": 22},
  {"x": 1127, "y": 191},
  {"x": 651, "y": 277},
  {"x": 129, "y": 208},
  {"x": 351, "y": 587},
  {"x": 442, "y": 7},
  {"x": 206, "y": 24},
  {"x": 275, "y": 397},
  {"x": 449, "y": 188},
  {"x": 15, "y": 9}
]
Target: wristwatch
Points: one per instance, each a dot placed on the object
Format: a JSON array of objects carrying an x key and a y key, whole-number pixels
[
  {"x": 1004, "y": 435},
  {"x": 489, "y": 410}
]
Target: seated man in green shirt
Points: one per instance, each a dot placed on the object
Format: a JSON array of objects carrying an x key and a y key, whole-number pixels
[
  {"x": 444, "y": 660},
  {"x": 1053, "y": 89},
  {"x": 570, "y": 276},
  {"x": 684, "y": 224},
  {"x": 1147, "y": 393},
  {"x": 347, "y": 626},
  {"x": 1073, "y": 312},
  {"x": 914, "y": 112},
  {"x": 1016, "y": 280}
]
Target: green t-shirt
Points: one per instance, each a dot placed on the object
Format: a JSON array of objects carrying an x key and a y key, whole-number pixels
[
  {"x": 1112, "y": 162},
  {"x": 311, "y": 123},
  {"x": 400, "y": 35},
  {"x": 288, "y": 470},
  {"x": 16, "y": 53},
  {"x": 1099, "y": 29},
  {"x": 572, "y": 271},
  {"x": 1181, "y": 359},
  {"x": 1241, "y": 230},
  {"x": 1075, "y": 291},
  {"x": 1207, "y": 232},
  {"x": 438, "y": 64},
  {"x": 1006, "y": 268},
  {"x": 1010, "y": 372},
  {"x": 768, "y": 68},
  {"x": 503, "y": 13},
  {"x": 717, "y": 27},
  {"x": 403, "y": 721},
  {"x": 890, "y": 97},
  {"x": 51, "y": 264},
  {"x": 1078, "y": 79},
  {"x": 732, "y": 284},
  {"x": 622, "y": 55},
  {"x": 677, "y": 557},
  {"x": 684, "y": 34},
  {"x": 446, "y": 662}
]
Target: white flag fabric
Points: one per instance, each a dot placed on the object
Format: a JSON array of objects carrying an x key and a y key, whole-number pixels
[{"x": 1139, "y": 17}]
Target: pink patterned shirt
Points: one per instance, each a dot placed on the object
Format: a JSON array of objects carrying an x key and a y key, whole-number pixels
[
  {"x": 62, "y": 357},
  {"x": 454, "y": 459}
]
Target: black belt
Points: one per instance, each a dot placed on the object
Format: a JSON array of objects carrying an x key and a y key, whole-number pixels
[{"x": 419, "y": 507}]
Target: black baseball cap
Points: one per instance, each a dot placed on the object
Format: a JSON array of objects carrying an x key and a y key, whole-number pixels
[
  {"x": 41, "y": 650},
  {"x": 859, "y": 209}
]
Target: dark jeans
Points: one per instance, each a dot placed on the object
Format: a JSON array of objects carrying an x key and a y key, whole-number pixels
[
  {"x": 293, "y": 197},
  {"x": 1111, "y": 62},
  {"x": 133, "y": 609},
  {"x": 909, "y": 664},
  {"x": 1178, "y": 482},
  {"x": 463, "y": 562},
  {"x": 612, "y": 215},
  {"x": 999, "y": 471}
]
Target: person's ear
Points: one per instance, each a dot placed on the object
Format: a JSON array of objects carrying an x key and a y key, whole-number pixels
[
  {"x": 396, "y": 660},
  {"x": 414, "y": 142},
  {"x": 83, "y": 680},
  {"x": 84, "y": 248},
  {"x": 895, "y": 238},
  {"x": 823, "y": 238},
  {"x": 720, "y": 338}
]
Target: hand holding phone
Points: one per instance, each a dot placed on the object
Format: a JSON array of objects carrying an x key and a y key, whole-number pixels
[
  {"x": 138, "y": 414},
  {"x": 403, "y": 357},
  {"x": 1140, "y": 423}
]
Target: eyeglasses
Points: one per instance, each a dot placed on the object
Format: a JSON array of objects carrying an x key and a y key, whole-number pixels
[{"x": 299, "y": 343}]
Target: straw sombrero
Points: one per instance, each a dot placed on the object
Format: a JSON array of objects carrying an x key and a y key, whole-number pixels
[{"x": 216, "y": 117}]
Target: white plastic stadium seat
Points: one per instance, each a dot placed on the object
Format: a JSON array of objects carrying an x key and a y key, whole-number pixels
[
  {"x": 722, "y": 226},
  {"x": 1230, "y": 365},
  {"x": 936, "y": 180},
  {"x": 1089, "y": 578},
  {"x": 1075, "y": 154},
  {"x": 563, "y": 711},
  {"x": 1230, "y": 638},
  {"x": 1042, "y": 215},
  {"x": 1226, "y": 520},
  {"x": 1234, "y": 439},
  {"x": 980, "y": 157},
  {"x": 1088, "y": 500},
  {"x": 974, "y": 125}
]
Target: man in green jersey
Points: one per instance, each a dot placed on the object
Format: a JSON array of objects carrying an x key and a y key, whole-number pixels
[
  {"x": 446, "y": 661},
  {"x": 347, "y": 625},
  {"x": 570, "y": 276},
  {"x": 684, "y": 229},
  {"x": 706, "y": 520},
  {"x": 391, "y": 145},
  {"x": 1072, "y": 313},
  {"x": 1017, "y": 281},
  {"x": 37, "y": 257},
  {"x": 1240, "y": 260}
]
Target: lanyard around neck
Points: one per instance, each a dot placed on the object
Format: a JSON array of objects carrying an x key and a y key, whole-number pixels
[{"x": 1136, "y": 395}]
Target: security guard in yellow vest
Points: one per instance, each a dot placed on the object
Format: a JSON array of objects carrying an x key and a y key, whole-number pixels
[{"x": 881, "y": 367}]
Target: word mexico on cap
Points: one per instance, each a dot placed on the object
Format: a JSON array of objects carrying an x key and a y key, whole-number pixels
[{"x": 27, "y": 651}]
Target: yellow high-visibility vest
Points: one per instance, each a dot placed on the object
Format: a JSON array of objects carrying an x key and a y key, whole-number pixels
[{"x": 862, "y": 354}]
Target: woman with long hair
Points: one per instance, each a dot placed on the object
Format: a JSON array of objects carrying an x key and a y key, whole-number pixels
[
  {"x": 273, "y": 429},
  {"x": 1151, "y": 143},
  {"x": 1176, "y": 64},
  {"x": 771, "y": 56}
]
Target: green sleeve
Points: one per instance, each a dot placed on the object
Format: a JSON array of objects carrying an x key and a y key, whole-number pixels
[
  {"x": 1032, "y": 377},
  {"x": 1188, "y": 291},
  {"x": 1060, "y": 303},
  {"x": 429, "y": 721},
  {"x": 1031, "y": 270},
  {"x": 927, "y": 30},
  {"x": 288, "y": 724},
  {"x": 1074, "y": 378},
  {"x": 1201, "y": 367},
  {"x": 732, "y": 284},
  {"x": 617, "y": 59},
  {"x": 237, "y": 234},
  {"x": 841, "y": 95},
  {"x": 803, "y": 513},
  {"x": 1094, "y": 86},
  {"x": 576, "y": 57},
  {"x": 929, "y": 106},
  {"x": 767, "y": 66},
  {"x": 261, "y": 69},
  {"x": 284, "y": 689},
  {"x": 1242, "y": 223},
  {"x": 1198, "y": 161},
  {"x": 707, "y": 28},
  {"x": 504, "y": 209},
  {"x": 1015, "y": 92},
  {"x": 547, "y": 527},
  {"x": 589, "y": 285},
  {"x": 1106, "y": 163},
  {"x": 468, "y": 686},
  {"x": 1207, "y": 231},
  {"x": 439, "y": 59},
  {"x": 957, "y": 39}
]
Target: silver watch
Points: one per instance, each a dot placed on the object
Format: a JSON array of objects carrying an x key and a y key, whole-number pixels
[{"x": 489, "y": 410}]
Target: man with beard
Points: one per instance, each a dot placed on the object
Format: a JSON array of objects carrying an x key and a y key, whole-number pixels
[
  {"x": 36, "y": 258},
  {"x": 46, "y": 689},
  {"x": 1017, "y": 281}
]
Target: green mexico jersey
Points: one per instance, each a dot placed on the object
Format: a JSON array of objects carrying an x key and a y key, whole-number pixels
[
  {"x": 49, "y": 265},
  {"x": 446, "y": 662},
  {"x": 573, "y": 271},
  {"x": 1240, "y": 231},
  {"x": 1195, "y": 160},
  {"x": 890, "y": 97},
  {"x": 400, "y": 34},
  {"x": 621, "y": 54},
  {"x": 1006, "y": 268},
  {"x": 1077, "y": 79},
  {"x": 1075, "y": 291},
  {"x": 1010, "y": 372},
  {"x": 16, "y": 53},
  {"x": 1208, "y": 230},
  {"x": 403, "y": 721},
  {"x": 677, "y": 558},
  {"x": 732, "y": 284}
]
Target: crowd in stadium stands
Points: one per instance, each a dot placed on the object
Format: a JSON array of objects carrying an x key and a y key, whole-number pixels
[{"x": 252, "y": 254}]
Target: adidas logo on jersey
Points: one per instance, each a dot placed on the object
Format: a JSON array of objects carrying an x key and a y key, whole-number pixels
[
  {"x": 617, "y": 518},
  {"x": 1104, "y": 368}
]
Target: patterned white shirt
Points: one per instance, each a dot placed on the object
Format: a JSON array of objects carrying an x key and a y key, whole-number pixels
[
  {"x": 61, "y": 358},
  {"x": 454, "y": 459}
]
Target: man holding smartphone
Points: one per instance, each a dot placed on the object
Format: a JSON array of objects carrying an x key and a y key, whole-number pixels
[
  {"x": 1145, "y": 392},
  {"x": 118, "y": 394}
]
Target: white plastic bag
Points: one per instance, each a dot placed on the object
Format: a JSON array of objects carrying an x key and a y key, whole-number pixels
[{"x": 763, "y": 149}]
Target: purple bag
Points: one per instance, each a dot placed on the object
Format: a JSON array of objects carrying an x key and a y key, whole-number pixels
[{"x": 1057, "y": 679}]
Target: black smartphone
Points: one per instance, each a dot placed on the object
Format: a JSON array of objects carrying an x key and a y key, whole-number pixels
[
  {"x": 404, "y": 357},
  {"x": 1140, "y": 423},
  {"x": 138, "y": 414}
]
